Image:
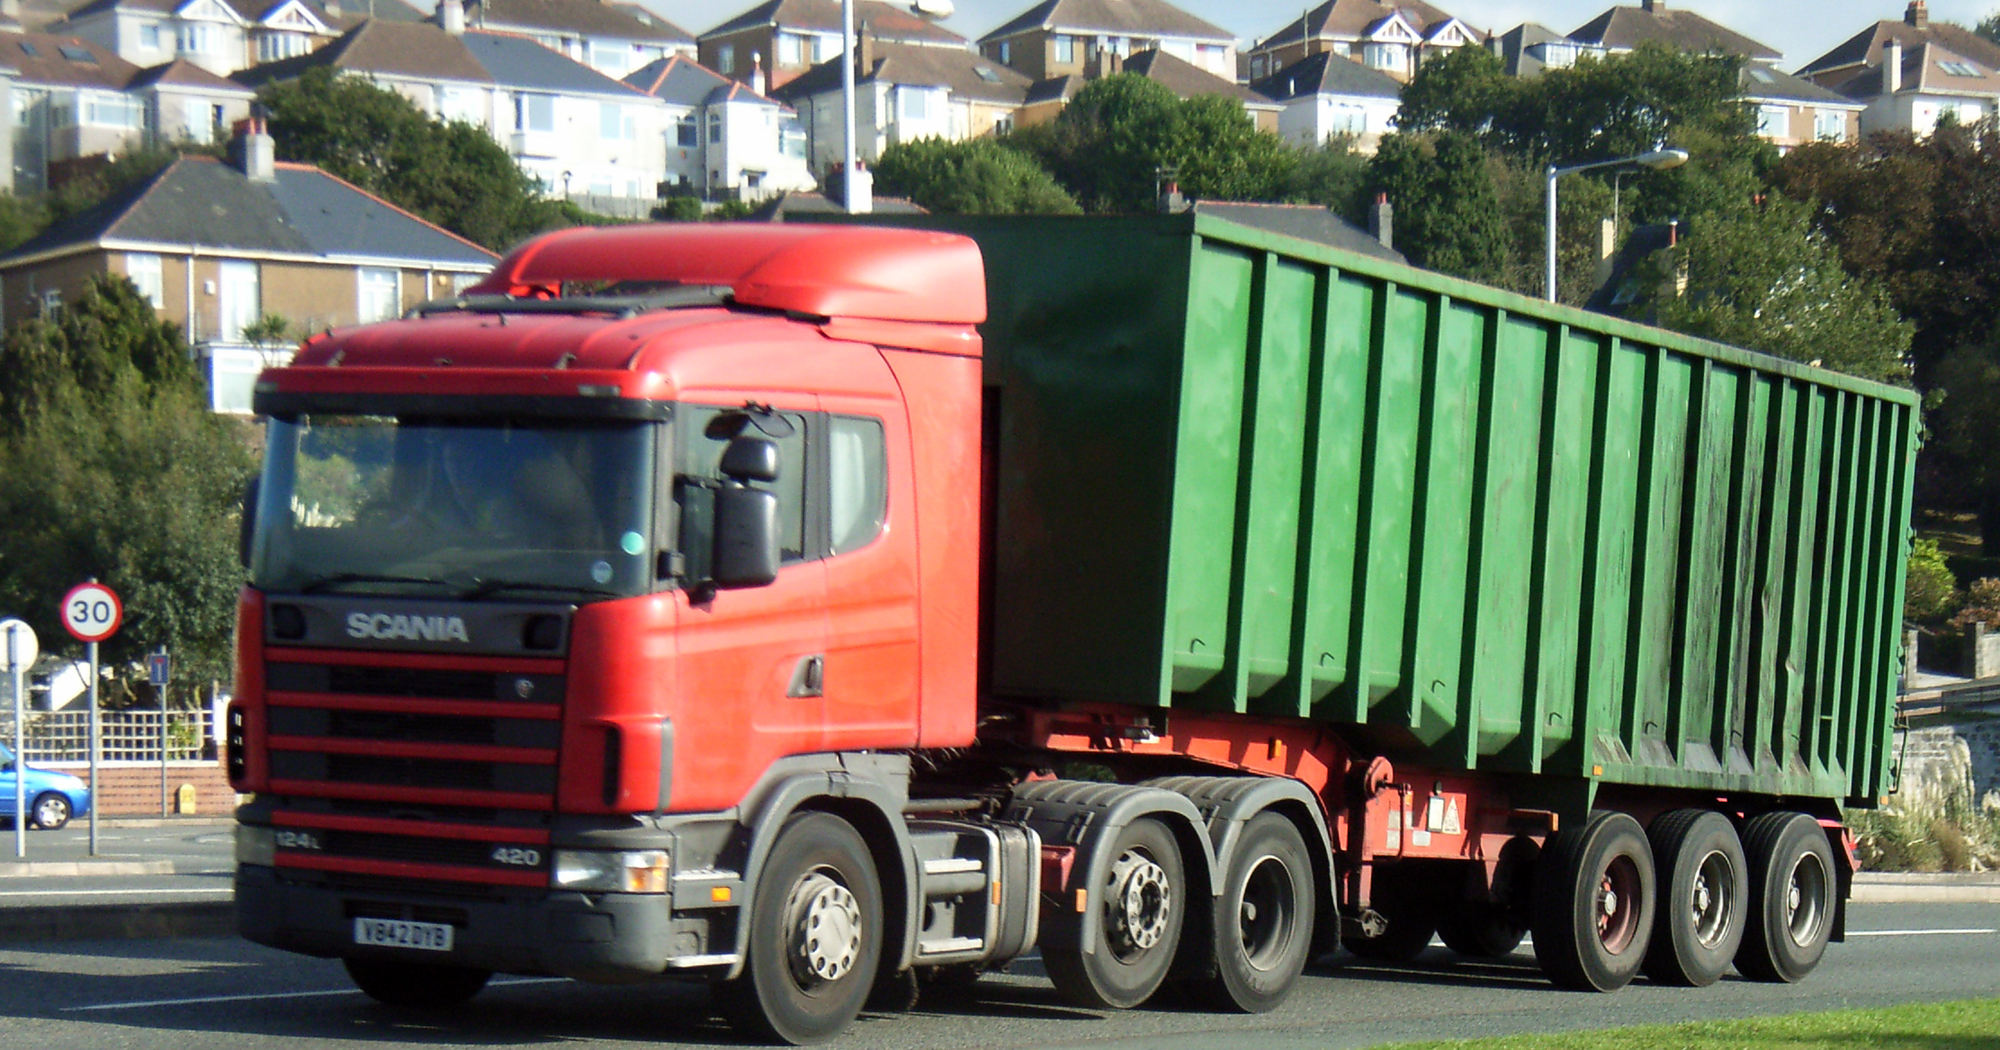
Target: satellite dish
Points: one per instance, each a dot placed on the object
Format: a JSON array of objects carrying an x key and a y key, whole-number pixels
[{"x": 935, "y": 10}]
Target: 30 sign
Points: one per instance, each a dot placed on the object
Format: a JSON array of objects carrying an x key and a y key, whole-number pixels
[{"x": 92, "y": 612}]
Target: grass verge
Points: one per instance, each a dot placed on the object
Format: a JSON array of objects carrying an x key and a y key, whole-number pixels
[{"x": 1970, "y": 1025}]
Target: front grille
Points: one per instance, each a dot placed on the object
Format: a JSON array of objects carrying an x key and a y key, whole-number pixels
[
  {"x": 460, "y": 852},
  {"x": 430, "y": 729},
  {"x": 510, "y": 777},
  {"x": 435, "y": 683}
]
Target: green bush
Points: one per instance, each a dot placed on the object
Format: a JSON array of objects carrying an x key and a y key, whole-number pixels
[{"x": 1930, "y": 589}]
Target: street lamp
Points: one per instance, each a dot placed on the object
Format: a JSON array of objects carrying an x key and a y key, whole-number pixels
[{"x": 1658, "y": 160}]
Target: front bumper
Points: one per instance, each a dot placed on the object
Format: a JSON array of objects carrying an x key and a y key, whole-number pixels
[{"x": 590, "y": 936}]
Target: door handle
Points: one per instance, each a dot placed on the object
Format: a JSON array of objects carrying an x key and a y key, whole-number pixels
[{"x": 808, "y": 677}]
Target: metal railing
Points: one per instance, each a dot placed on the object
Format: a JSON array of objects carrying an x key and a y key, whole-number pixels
[{"x": 127, "y": 737}]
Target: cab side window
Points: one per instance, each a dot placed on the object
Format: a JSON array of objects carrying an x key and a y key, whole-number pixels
[{"x": 857, "y": 482}]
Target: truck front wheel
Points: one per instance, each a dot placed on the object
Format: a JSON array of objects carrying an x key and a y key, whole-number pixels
[
  {"x": 815, "y": 935},
  {"x": 414, "y": 984},
  {"x": 1140, "y": 906}
]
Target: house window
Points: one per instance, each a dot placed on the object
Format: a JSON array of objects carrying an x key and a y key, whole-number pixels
[
  {"x": 914, "y": 103},
  {"x": 534, "y": 112},
  {"x": 1386, "y": 56},
  {"x": 1005, "y": 53},
  {"x": 614, "y": 124},
  {"x": 194, "y": 121},
  {"x": 111, "y": 111},
  {"x": 274, "y": 46},
  {"x": 1774, "y": 122},
  {"x": 1830, "y": 126},
  {"x": 725, "y": 58},
  {"x": 686, "y": 133},
  {"x": 143, "y": 270},
  {"x": 460, "y": 104},
  {"x": 791, "y": 50},
  {"x": 241, "y": 298},
  {"x": 792, "y": 137},
  {"x": 149, "y": 37},
  {"x": 1065, "y": 48},
  {"x": 613, "y": 60},
  {"x": 197, "y": 38},
  {"x": 1347, "y": 120},
  {"x": 380, "y": 297},
  {"x": 714, "y": 128},
  {"x": 1003, "y": 125}
]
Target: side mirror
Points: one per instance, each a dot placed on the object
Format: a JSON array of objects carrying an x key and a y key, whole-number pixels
[
  {"x": 246, "y": 529},
  {"x": 750, "y": 459},
  {"x": 746, "y": 536}
]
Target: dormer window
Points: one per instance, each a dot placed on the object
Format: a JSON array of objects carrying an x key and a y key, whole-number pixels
[{"x": 1386, "y": 56}]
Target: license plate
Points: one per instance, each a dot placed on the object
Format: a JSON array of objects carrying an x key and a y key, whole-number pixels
[{"x": 396, "y": 933}]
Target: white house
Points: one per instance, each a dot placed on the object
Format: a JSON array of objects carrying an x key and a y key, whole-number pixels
[
  {"x": 725, "y": 139},
  {"x": 1389, "y": 38},
  {"x": 903, "y": 93},
  {"x": 222, "y": 36},
  {"x": 1326, "y": 95},
  {"x": 611, "y": 38},
  {"x": 1914, "y": 90}
]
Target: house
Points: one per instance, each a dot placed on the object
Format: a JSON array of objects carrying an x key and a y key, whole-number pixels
[
  {"x": 222, "y": 36},
  {"x": 581, "y": 134},
  {"x": 1390, "y": 38},
  {"x": 785, "y": 38},
  {"x": 1088, "y": 38},
  {"x": 1914, "y": 90},
  {"x": 1622, "y": 29},
  {"x": 903, "y": 92},
  {"x": 1792, "y": 110},
  {"x": 217, "y": 246},
  {"x": 1325, "y": 95},
  {"x": 1187, "y": 80},
  {"x": 73, "y": 99},
  {"x": 613, "y": 39},
  {"x": 724, "y": 139},
  {"x": 1529, "y": 48},
  {"x": 1862, "y": 52}
]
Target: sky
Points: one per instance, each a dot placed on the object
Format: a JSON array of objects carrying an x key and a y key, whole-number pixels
[{"x": 1801, "y": 29}]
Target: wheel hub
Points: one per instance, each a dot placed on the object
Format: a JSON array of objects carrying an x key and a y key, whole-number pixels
[
  {"x": 1140, "y": 902},
  {"x": 825, "y": 920}
]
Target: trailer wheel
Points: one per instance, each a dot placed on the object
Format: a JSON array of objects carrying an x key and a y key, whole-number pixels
[
  {"x": 1791, "y": 897},
  {"x": 1407, "y": 898},
  {"x": 1140, "y": 909},
  {"x": 815, "y": 936},
  {"x": 428, "y": 986},
  {"x": 1704, "y": 896},
  {"x": 1263, "y": 918},
  {"x": 1593, "y": 913},
  {"x": 1479, "y": 930}
]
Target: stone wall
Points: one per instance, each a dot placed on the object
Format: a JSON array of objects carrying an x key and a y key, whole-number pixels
[{"x": 1942, "y": 762}]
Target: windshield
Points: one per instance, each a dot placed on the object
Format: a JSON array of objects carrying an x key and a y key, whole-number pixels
[{"x": 471, "y": 509}]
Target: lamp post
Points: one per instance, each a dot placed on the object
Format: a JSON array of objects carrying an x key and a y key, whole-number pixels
[{"x": 1658, "y": 160}]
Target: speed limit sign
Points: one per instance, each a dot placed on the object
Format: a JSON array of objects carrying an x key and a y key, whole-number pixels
[{"x": 92, "y": 612}]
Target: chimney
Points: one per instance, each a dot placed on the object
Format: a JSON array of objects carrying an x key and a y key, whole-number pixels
[
  {"x": 1916, "y": 16},
  {"x": 757, "y": 72},
  {"x": 1607, "y": 251},
  {"x": 451, "y": 15},
  {"x": 1892, "y": 66},
  {"x": 1653, "y": 7},
  {"x": 864, "y": 50},
  {"x": 1171, "y": 200},
  {"x": 253, "y": 151},
  {"x": 1381, "y": 221},
  {"x": 332, "y": 9}
]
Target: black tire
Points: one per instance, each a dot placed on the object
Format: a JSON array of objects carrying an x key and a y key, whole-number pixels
[
  {"x": 1406, "y": 895},
  {"x": 1594, "y": 901},
  {"x": 50, "y": 810},
  {"x": 424, "y": 986},
  {"x": 1263, "y": 921},
  {"x": 1141, "y": 907},
  {"x": 815, "y": 941},
  {"x": 1479, "y": 930},
  {"x": 1792, "y": 888},
  {"x": 1704, "y": 897}
]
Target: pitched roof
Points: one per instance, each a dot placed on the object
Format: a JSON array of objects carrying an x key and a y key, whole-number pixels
[
  {"x": 44, "y": 58},
  {"x": 1928, "y": 69},
  {"x": 1625, "y": 28},
  {"x": 341, "y": 15},
  {"x": 1186, "y": 80},
  {"x": 584, "y": 17},
  {"x": 416, "y": 49},
  {"x": 1352, "y": 19},
  {"x": 1307, "y": 222},
  {"x": 885, "y": 21},
  {"x": 1141, "y": 17},
  {"x": 1328, "y": 74},
  {"x": 203, "y": 202},
  {"x": 185, "y": 74},
  {"x": 677, "y": 79},
  {"x": 1762, "y": 81},
  {"x": 1052, "y": 89},
  {"x": 797, "y": 202},
  {"x": 518, "y": 62},
  {"x": 736, "y": 91},
  {"x": 966, "y": 74},
  {"x": 1865, "y": 47}
]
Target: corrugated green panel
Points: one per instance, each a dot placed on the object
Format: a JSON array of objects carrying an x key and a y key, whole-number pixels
[
  {"x": 1732, "y": 736},
  {"x": 1870, "y": 537},
  {"x": 1706, "y": 528},
  {"x": 1389, "y": 451},
  {"x": 1208, "y": 450},
  {"x": 1805, "y": 585},
  {"x": 1623, "y": 384},
  {"x": 1270, "y": 525},
  {"x": 1504, "y": 518},
  {"x": 1562, "y": 549},
  {"x": 1353, "y": 307},
  {"x": 1651, "y": 679}
]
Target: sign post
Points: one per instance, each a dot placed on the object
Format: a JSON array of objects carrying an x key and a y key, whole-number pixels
[
  {"x": 20, "y": 650},
  {"x": 91, "y": 613},
  {"x": 156, "y": 673}
]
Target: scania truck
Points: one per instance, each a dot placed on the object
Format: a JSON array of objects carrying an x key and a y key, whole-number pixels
[{"x": 812, "y": 610}]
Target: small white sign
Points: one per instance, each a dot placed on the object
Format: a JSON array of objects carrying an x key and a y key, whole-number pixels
[{"x": 18, "y": 645}]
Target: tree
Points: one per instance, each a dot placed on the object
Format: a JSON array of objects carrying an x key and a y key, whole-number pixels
[
  {"x": 1334, "y": 176},
  {"x": 1447, "y": 210},
  {"x": 1763, "y": 278},
  {"x": 452, "y": 174},
  {"x": 973, "y": 177},
  {"x": 112, "y": 466}
]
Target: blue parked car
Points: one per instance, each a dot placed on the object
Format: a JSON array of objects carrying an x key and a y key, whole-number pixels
[{"x": 53, "y": 797}]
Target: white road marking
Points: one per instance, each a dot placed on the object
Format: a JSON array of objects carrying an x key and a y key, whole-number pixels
[
  {"x": 1917, "y": 933},
  {"x": 211, "y": 891},
  {"x": 203, "y": 1000}
]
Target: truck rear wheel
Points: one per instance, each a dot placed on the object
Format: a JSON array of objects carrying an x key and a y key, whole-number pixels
[
  {"x": 399, "y": 982},
  {"x": 1263, "y": 917},
  {"x": 1704, "y": 895},
  {"x": 1140, "y": 906},
  {"x": 1791, "y": 897},
  {"x": 815, "y": 936},
  {"x": 1593, "y": 913}
]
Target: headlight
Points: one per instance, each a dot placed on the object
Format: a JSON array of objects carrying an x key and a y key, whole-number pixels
[
  {"x": 256, "y": 845},
  {"x": 636, "y": 871}
]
